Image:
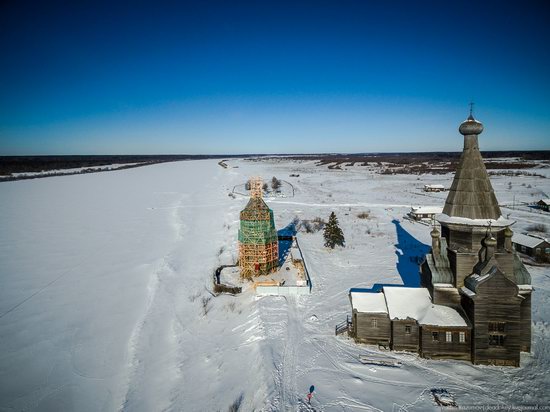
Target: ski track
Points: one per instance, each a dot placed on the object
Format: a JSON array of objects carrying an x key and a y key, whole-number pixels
[
  {"x": 282, "y": 336},
  {"x": 159, "y": 294}
]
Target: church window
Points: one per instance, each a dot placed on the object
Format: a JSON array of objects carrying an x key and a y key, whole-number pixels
[{"x": 497, "y": 335}]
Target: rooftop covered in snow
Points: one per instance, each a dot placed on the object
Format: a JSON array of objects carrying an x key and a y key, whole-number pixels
[
  {"x": 368, "y": 302},
  {"x": 527, "y": 241},
  {"x": 416, "y": 304}
]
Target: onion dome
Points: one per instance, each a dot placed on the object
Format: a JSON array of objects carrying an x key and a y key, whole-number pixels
[
  {"x": 490, "y": 241},
  {"x": 470, "y": 126},
  {"x": 508, "y": 232}
]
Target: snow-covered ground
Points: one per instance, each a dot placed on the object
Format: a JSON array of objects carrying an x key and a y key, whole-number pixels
[{"x": 105, "y": 303}]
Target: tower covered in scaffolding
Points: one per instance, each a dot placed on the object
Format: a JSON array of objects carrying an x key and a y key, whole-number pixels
[{"x": 258, "y": 241}]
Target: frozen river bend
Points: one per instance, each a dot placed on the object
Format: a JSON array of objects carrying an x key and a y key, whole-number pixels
[{"x": 104, "y": 301}]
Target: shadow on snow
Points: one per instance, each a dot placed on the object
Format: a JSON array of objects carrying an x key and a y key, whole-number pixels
[
  {"x": 410, "y": 253},
  {"x": 285, "y": 236}
]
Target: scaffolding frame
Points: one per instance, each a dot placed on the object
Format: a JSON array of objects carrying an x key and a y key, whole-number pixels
[{"x": 258, "y": 240}]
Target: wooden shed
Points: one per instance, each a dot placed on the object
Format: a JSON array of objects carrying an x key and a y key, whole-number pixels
[
  {"x": 370, "y": 321},
  {"x": 532, "y": 246},
  {"x": 424, "y": 212},
  {"x": 544, "y": 204},
  {"x": 434, "y": 188}
]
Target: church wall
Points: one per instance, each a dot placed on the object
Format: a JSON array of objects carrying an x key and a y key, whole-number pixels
[
  {"x": 526, "y": 323},
  {"x": 446, "y": 296},
  {"x": 462, "y": 265},
  {"x": 496, "y": 302}
]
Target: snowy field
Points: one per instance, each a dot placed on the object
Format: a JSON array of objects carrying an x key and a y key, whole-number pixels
[{"x": 105, "y": 303}]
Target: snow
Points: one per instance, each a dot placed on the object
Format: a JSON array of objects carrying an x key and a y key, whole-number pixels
[
  {"x": 500, "y": 222},
  {"x": 407, "y": 303},
  {"x": 295, "y": 253},
  {"x": 438, "y": 315},
  {"x": 416, "y": 304},
  {"x": 105, "y": 282},
  {"x": 467, "y": 292},
  {"x": 526, "y": 240},
  {"x": 73, "y": 170},
  {"x": 421, "y": 210},
  {"x": 366, "y": 302}
]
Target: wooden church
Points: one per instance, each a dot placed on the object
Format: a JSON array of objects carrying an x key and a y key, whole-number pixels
[{"x": 475, "y": 302}]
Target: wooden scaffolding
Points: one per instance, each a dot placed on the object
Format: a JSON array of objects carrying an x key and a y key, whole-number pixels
[{"x": 258, "y": 241}]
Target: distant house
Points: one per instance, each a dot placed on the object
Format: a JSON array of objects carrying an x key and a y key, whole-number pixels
[
  {"x": 424, "y": 212},
  {"x": 544, "y": 204},
  {"x": 536, "y": 247},
  {"x": 434, "y": 188},
  {"x": 407, "y": 319}
]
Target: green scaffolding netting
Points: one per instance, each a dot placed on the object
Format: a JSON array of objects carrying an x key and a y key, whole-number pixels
[{"x": 258, "y": 232}]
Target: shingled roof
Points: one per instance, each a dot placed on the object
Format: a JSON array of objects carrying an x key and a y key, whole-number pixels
[{"x": 471, "y": 195}]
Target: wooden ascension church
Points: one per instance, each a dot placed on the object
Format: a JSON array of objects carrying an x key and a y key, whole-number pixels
[{"x": 472, "y": 273}]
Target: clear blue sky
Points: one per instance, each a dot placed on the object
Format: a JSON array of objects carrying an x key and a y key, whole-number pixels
[{"x": 271, "y": 76}]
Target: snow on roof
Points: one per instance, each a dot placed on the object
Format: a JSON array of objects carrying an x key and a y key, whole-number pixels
[
  {"x": 467, "y": 291},
  {"x": 500, "y": 222},
  {"x": 368, "y": 302},
  {"x": 443, "y": 285},
  {"x": 435, "y": 186},
  {"x": 406, "y": 303},
  {"x": 439, "y": 315},
  {"x": 526, "y": 240},
  {"x": 545, "y": 201},
  {"x": 415, "y": 303},
  {"x": 524, "y": 288},
  {"x": 426, "y": 209}
]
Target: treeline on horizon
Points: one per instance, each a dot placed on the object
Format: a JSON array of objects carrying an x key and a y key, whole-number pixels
[{"x": 21, "y": 164}]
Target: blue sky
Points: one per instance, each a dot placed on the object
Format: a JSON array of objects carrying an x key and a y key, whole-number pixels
[{"x": 271, "y": 76}]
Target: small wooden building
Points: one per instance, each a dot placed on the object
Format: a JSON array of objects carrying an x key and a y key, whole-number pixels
[
  {"x": 544, "y": 204},
  {"x": 434, "y": 188},
  {"x": 370, "y": 321},
  {"x": 424, "y": 212},
  {"x": 532, "y": 246}
]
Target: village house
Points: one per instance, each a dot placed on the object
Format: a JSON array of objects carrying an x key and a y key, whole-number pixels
[
  {"x": 424, "y": 212},
  {"x": 434, "y": 188},
  {"x": 533, "y": 246},
  {"x": 544, "y": 204}
]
